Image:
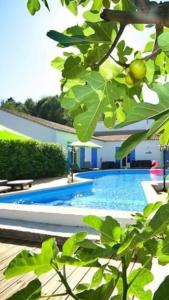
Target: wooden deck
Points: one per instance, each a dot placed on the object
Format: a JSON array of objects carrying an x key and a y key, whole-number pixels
[{"x": 50, "y": 281}]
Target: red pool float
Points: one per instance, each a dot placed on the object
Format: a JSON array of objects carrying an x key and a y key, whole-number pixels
[{"x": 155, "y": 172}]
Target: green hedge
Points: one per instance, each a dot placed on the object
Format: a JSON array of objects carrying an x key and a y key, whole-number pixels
[{"x": 30, "y": 159}]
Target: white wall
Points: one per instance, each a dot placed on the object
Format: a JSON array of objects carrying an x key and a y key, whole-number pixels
[
  {"x": 149, "y": 150},
  {"x": 27, "y": 127},
  {"x": 143, "y": 125}
]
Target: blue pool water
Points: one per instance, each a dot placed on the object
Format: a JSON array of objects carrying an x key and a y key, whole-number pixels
[{"x": 116, "y": 190}]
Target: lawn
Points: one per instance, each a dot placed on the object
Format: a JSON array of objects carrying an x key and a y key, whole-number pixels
[{"x": 11, "y": 135}]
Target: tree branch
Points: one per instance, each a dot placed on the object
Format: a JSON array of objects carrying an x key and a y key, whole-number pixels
[
  {"x": 119, "y": 63},
  {"x": 159, "y": 30},
  {"x": 153, "y": 54},
  {"x": 129, "y": 17},
  {"x": 121, "y": 29},
  {"x": 142, "y": 4}
]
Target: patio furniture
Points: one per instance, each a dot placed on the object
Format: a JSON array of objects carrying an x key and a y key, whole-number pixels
[
  {"x": 110, "y": 165},
  {"x": 3, "y": 182},
  {"x": 20, "y": 183},
  {"x": 4, "y": 188},
  {"x": 141, "y": 164}
]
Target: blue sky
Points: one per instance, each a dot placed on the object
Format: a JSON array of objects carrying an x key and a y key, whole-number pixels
[{"x": 26, "y": 51}]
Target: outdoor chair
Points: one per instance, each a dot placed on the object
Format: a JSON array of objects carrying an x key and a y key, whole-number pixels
[
  {"x": 141, "y": 164},
  {"x": 5, "y": 188},
  {"x": 110, "y": 165},
  {"x": 21, "y": 184}
]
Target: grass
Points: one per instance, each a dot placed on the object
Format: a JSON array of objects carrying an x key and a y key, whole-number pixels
[{"x": 9, "y": 135}]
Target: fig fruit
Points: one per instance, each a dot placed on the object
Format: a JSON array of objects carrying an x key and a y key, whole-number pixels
[
  {"x": 137, "y": 69},
  {"x": 129, "y": 79}
]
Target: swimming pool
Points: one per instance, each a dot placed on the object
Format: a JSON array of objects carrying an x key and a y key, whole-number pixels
[{"x": 109, "y": 190}]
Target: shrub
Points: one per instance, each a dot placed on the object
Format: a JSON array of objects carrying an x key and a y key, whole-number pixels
[{"x": 30, "y": 159}]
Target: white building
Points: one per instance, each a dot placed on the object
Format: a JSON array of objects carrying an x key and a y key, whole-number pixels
[{"x": 110, "y": 140}]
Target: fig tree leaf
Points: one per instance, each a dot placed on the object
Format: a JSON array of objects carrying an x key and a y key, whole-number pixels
[
  {"x": 149, "y": 46},
  {"x": 109, "y": 228},
  {"x": 58, "y": 63},
  {"x": 150, "y": 66},
  {"x": 93, "y": 222},
  {"x": 162, "y": 292},
  {"x": 92, "y": 16},
  {"x": 151, "y": 208},
  {"x": 163, "y": 41},
  {"x": 97, "y": 5},
  {"x": 97, "y": 278},
  {"x": 27, "y": 261},
  {"x": 31, "y": 292},
  {"x": 72, "y": 6},
  {"x": 143, "y": 111},
  {"x": 97, "y": 96},
  {"x": 72, "y": 67},
  {"x": 104, "y": 33},
  {"x": 137, "y": 280},
  {"x": 71, "y": 244},
  {"x": 163, "y": 251},
  {"x": 103, "y": 292},
  {"x": 33, "y": 6}
]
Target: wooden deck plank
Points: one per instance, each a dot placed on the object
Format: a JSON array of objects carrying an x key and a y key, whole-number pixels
[
  {"x": 51, "y": 284},
  {"x": 16, "y": 285}
]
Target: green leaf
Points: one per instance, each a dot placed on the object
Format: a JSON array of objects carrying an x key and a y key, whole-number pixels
[
  {"x": 163, "y": 251},
  {"x": 139, "y": 27},
  {"x": 162, "y": 292},
  {"x": 46, "y": 4},
  {"x": 92, "y": 16},
  {"x": 31, "y": 292},
  {"x": 72, "y": 67},
  {"x": 102, "y": 293},
  {"x": 137, "y": 280},
  {"x": 93, "y": 221},
  {"x": 66, "y": 40},
  {"x": 97, "y": 278},
  {"x": 97, "y": 97},
  {"x": 82, "y": 287},
  {"x": 71, "y": 245},
  {"x": 149, "y": 46},
  {"x": 104, "y": 33},
  {"x": 109, "y": 228},
  {"x": 159, "y": 221},
  {"x": 33, "y": 6},
  {"x": 144, "y": 111},
  {"x": 26, "y": 261},
  {"x": 150, "y": 71},
  {"x": 72, "y": 6},
  {"x": 151, "y": 208},
  {"x": 58, "y": 63},
  {"x": 97, "y": 5},
  {"x": 163, "y": 41}
]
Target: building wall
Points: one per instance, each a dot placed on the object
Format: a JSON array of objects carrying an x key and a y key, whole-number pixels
[
  {"x": 142, "y": 125},
  {"x": 149, "y": 150},
  {"x": 27, "y": 127}
]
